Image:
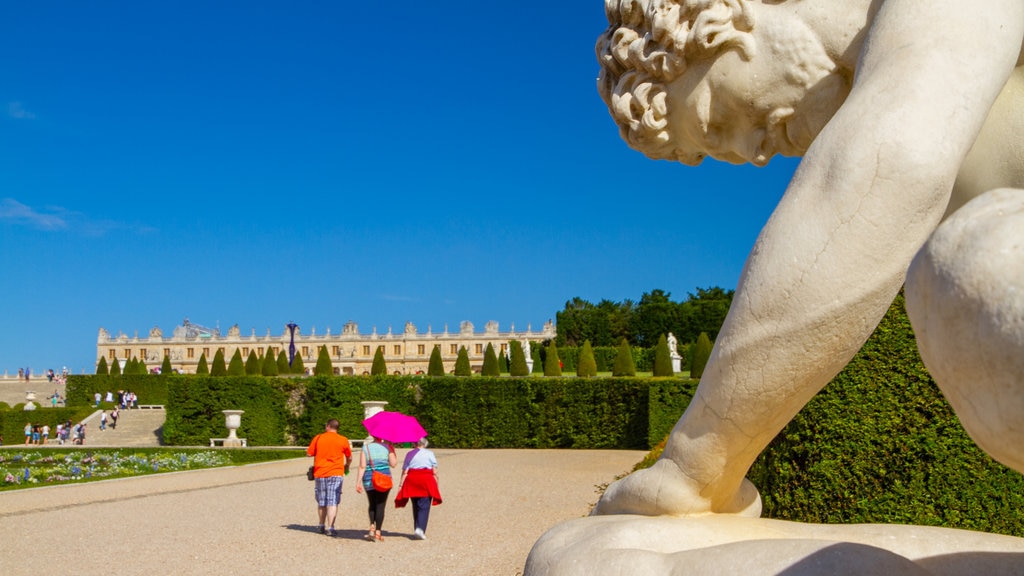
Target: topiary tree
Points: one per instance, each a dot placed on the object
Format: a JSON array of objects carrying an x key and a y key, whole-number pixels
[
  {"x": 202, "y": 369},
  {"x": 101, "y": 367},
  {"x": 701, "y": 353},
  {"x": 298, "y": 366},
  {"x": 503, "y": 363},
  {"x": 490, "y": 367},
  {"x": 269, "y": 367},
  {"x": 435, "y": 367},
  {"x": 538, "y": 362},
  {"x": 462, "y": 367},
  {"x": 517, "y": 365},
  {"x": 115, "y": 368},
  {"x": 253, "y": 366},
  {"x": 323, "y": 363},
  {"x": 379, "y": 367},
  {"x": 219, "y": 368},
  {"x": 586, "y": 366},
  {"x": 166, "y": 368},
  {"x": 236, "y": 367},
  {"x": 130, "y": 367},
  {"x": 282, "y": 363},
  {"x": 552, "y": 366},
  {"x": 662, "y": 358},
  {"x": 624, "y": 365},
  {"x": 140, "y": 367}
]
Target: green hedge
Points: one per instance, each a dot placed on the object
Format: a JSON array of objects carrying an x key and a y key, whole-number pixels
[
  {"x": 194, "y": 407},
  {"x": 881, "y": 444},
  {"x": 150, "y": 389},
  {"x": 339, "y": 397},
  {"x": 13, "y": 420}
]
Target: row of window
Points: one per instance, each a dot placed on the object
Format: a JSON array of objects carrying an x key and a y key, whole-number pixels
[{"x": 190, "y": 353}]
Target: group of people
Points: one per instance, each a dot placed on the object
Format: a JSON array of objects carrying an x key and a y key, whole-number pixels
[
  {"x": 39, "y": 434},
  {"x": 126, "y": 399},
  {"x": 332, "y": 459}
]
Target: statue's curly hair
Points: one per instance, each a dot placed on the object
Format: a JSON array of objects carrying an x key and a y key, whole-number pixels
[{"x": 647, "y": 45}]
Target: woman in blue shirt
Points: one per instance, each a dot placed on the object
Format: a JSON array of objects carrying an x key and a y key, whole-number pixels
[{"x": 376, "y": 456}]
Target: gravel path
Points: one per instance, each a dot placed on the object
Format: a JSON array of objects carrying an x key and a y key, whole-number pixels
[{"x": 261, "y": 519}]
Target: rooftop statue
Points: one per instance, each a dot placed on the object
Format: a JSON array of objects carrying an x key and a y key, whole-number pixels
[{"x": 903, "y": 112}]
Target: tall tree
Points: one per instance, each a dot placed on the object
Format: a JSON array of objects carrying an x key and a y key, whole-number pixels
[
  {"x": 624, "y": 364},
  {"x": 378, "y": 368},
  {"x": 323, "y": 363},
  {"x": 462, "y": 367},
  {"x": 701, "y": 353},
  {"x": 490, "y": 367},
  {"x": 101, "y": 367},
  {"x": 538, "y": 363},
  {"x": 253, "y": 366},
  {"x": 236, "y": 367},
  {"x": 655, "y": 315},
  {"x": 662, "y": 358},
  {"x": 517, "y": 364},
  {"x": 269, "y": 365},
  {"x": 115, "y": 368},
  {"x": 586, "y": 365},
  {"x": 202, "y": 368},
  {"x": 435, "y": 367},
  {"x": 552, "y": 364},
  {"x": 219, "y": 368},
  {"x": 166, "y": 368}
]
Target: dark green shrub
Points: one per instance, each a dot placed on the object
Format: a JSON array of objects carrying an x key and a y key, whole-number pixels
[
  {"x": 435, "y": 366},
  {"x": 662, "y": 358},
  {"x": 462, "y": 367},
  {"x": 165, "y": 367},
  {"x": 624, "y": 365},
  {"x": 237, "y": 366},
  {"x": 701, "y": 353},
  {"x": 323, "y": 363},
  {"x": 490, "y": 366},
  {"x": 552, "y": 365},
  {"x": 101, "y": 367},
  {"x": 517, "y": 365},
  {"x": 115, "y": 368},
  {"x": 538, "y": 362},
  {"x": 586, "y": 367},
  {"x": 269, "y": 364},
  {"x": 282, "y": 364},
  {"x": 202, "y": 368},
  {"x": 253, "y": 366},
  {"x": 219, "y": 368},
  {"x": 378, "y": 368},
  {"x": 298, "y": 366}
]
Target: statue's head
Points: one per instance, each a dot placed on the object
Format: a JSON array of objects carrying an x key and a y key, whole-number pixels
[{"x": 685, "y": 79}]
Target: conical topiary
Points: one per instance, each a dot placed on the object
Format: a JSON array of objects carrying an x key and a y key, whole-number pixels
[
  {"x": 517, "y": 365},
  {"x": 202, "y": 368},
  {"x": 462, "y": 363},
  {"x": 552, "y": 365},
  {"x": 269, "y": 365},
  {"x": 219, "y": 368},
  {"x": 253, "y": 366},
  {"x": 101, "y": 367},
  {"x": 701, "y": 353},
  {"x": 165, "y": 368},
  {"x": 490, "y": 366},
  {"x": 586, "y": 365},
  {"x": 624, "y": 365},
  {"x": 436, "y": 366},
  {"x": 379, "y": 367},
  {"x": 323, "y": 363},
  {"x": 662, "y": 358},
  {"x": 237, "y": 366}
]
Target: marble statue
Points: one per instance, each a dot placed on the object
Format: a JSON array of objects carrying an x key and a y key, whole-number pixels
[{"x": 903, "y": 112}]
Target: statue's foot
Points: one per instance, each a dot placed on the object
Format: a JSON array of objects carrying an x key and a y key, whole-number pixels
[{"x": 663, "y": 489}]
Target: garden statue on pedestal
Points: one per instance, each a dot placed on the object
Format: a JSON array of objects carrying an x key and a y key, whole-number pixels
[{"x": 903, "y": 112}]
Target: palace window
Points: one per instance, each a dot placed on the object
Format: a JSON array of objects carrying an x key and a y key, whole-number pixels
[
  {"x": 245, "y": 351},
  {"x": 112, "y": 354},
  {"x": 335, "y": 351},
  {"x": 366, "y": 350},
  {"x": 479, "y": 348},
  {"x": 142, "y": 353},
  {"x": 167, "y": 353},
  {"x": 398, "y": 349},
  {"x": 206, "y": 352},
  {"x": 305, "y": 351},
  {"x": 421, "y": 349},
  {"x": 190, "y": 352},
  {"x": 127, "y": 353},
  {"x": 454, "y": 348}
]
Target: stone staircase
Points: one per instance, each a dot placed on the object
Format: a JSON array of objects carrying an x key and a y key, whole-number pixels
[{"x": 141, "y": 426}]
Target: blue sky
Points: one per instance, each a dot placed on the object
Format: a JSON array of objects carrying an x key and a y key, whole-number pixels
[{"x": 256, "y": 163}]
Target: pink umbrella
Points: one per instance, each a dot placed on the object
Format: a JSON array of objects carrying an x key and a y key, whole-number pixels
[{"x": 394, "y": 427}]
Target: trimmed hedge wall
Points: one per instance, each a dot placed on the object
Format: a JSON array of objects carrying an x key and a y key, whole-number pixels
[
  {"x": 881, "y": 444},
  {"x": 14, "y": 418},
  {"x": 150, "y": 388},
  {"x": 194, "y": 405}
]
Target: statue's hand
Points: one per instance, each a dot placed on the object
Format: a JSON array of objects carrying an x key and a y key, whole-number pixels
[{"x": 664, "y": 490}]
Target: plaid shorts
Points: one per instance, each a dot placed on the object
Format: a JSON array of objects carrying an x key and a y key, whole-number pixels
[{"x": 328, "y": 490}]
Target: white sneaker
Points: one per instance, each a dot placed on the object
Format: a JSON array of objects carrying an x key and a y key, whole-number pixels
[{"x": 420, "y": 535}]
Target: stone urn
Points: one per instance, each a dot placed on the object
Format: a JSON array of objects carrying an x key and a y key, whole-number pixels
[
  {"x": 29, "y": 397},
  {"x": 232, "y": 419},
  {"x": 371, "y": 407}
]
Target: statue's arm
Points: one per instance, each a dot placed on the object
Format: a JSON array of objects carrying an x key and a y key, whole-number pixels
[{"x": 869, "y": 191}]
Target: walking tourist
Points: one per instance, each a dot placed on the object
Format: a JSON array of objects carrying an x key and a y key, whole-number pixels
[
  {"x": 103, "y": 420},
  {"x": 45, "y": 433},
  {"x": 419, "y": 484},
  {"x": 28, "y": 433},
  {"x": 332, "y": 456},
  {"x": 113, "y": 418},
  {"x": 376, "y": 456}
]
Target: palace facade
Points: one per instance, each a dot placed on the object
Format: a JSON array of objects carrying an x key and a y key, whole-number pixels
[{"x": 351, "y": 352}]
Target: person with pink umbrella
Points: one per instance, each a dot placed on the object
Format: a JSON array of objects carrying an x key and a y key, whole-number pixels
[{"x": 419, "y": 484}]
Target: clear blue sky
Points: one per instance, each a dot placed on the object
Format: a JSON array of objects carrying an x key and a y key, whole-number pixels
[{"x": 256, "y": 163}]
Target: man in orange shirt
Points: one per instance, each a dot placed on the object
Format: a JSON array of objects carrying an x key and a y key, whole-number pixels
[{"x": 332, "y": 456}]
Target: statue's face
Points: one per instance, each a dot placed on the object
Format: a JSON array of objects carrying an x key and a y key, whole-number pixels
[{"x": 741, "y": 111}]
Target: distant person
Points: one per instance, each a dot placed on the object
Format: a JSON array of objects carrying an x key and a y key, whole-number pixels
[
  {"x": 44, "y": 433},
  {"x": 96, "y": 397},
  {"x": 332, "y": 457},
  {"x": 28, "y": 433},
  {"x": 419, "y": 484},
  {"x": 114, "y": 415},
  {"x": 103, "y": 420},
  {"x": 376, "y": 456}
]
